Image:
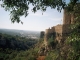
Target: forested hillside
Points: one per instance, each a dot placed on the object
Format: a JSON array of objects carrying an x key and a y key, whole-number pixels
[
  {"x": 16, "y": 42},
  {"x": 11, "y": 46}
]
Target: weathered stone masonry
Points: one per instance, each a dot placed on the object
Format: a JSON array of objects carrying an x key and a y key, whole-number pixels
[{"x": 61, "y": 31}]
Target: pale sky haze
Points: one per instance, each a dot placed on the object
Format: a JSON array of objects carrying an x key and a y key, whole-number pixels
[{"x": 34, "y": 21}]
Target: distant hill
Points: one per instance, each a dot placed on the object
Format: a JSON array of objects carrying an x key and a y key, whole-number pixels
[
  {"x": 16, "y": 42},
  {"x": 22, "y": 33}
]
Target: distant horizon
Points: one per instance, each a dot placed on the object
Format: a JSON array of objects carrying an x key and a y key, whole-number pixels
[
  {"x": 34, "y": 21},
  {"x": 18, "y": 29}
]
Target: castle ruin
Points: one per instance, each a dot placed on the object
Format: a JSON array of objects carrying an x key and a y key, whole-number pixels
[{"x": 61, "y": 31}]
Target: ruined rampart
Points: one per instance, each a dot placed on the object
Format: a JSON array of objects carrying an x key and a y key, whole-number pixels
[{"x": 62, "y": 31}]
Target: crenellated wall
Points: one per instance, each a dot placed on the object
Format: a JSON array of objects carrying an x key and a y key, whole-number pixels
[
  {"x": 58, "y": 28},
  {"x": 50, "y": 30},
  {"x": 62, "y": 31}
]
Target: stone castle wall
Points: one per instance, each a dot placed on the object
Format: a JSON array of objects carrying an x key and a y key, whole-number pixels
[
  {"x": 58, "y": 29},
  {"x": 62, "y": 31},
  {"x": 66, "y": 17},
  {"x": 66, "y": 28},
  {"x": 50, "y": 30}
]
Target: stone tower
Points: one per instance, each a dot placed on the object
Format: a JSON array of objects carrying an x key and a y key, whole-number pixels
[
  {"x": 66, "y": 17},
  {"x": 61, "y": 32}
]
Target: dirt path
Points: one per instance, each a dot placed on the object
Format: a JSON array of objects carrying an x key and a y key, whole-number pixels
[{"x": 41, "y": 58}]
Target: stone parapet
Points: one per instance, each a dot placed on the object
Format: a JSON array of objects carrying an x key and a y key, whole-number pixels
[{"x": 62, "y": 31}]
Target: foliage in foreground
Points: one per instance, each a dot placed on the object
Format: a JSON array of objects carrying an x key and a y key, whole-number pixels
[
  {"x": 8, "y": 54},
  {"x": 18, "y": 8}
]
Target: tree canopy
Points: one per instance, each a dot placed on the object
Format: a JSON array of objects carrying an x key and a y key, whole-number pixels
[{"x": 18, "y": 8}]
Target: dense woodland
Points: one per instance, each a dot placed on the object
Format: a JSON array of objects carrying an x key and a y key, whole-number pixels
[
  {"x": 10, "y": 46},
  {"x": 15, "y": 42}
]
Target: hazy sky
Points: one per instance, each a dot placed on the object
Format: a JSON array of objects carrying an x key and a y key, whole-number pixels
[{"x": 34, "y": 21}]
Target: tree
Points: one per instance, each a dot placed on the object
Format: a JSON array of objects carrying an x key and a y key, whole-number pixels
[
  {"x": 18, "y": 8},
  {"x": 74, "y": 38}
]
